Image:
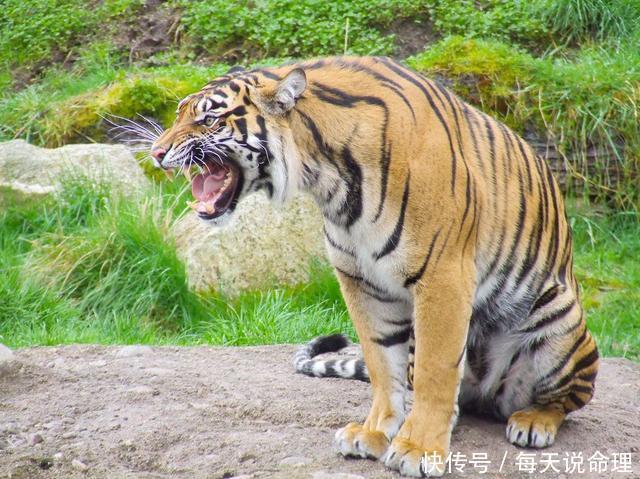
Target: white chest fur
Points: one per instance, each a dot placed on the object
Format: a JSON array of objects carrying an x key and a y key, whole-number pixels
[{"x": 354, "y": 252}]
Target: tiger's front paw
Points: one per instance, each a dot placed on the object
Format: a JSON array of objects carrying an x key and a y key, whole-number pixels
[
  {"x": 353, "y": 440},
  {"x": 413, "y": 461}
]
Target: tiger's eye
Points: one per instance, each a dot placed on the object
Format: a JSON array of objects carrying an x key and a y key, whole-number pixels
[{"x": 209, "y": 121}]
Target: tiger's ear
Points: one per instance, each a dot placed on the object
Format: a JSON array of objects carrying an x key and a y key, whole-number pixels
[{"x": 288, "y": 90}]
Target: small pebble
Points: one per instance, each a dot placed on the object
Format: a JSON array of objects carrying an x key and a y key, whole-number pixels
[
  {"x": 79, "y": 465},
  {"x": 133, "y": 351},
  {"x": 58, "y": 456},
  {"x": 334, "y": 475},
  {"x": 56, "y": 363},
  {"x": 246, "y": 456},
  {"x": 51, "y": 425},
  {"x": 5, "y": 354},
  {"x": 140, "y": 391},
  {"x": 36, "y": 439},
  {"x": 7, "y": 360},
  {"x": 69, "y": 435},
  {"x": 295, "y": 461}
]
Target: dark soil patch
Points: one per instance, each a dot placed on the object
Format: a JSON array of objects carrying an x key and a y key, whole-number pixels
[
  {"x": 411, "y": 36},
  {"x": 153, "y": 30}
]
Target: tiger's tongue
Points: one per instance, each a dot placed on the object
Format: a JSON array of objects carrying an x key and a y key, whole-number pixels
[{"x": 205, "y": 186}]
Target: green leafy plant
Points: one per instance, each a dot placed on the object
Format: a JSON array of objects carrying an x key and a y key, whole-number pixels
[
  {"x": 583, "y": 102},
  {"x": 39, "y": 30},
  {"x": 292, "y": 28}
]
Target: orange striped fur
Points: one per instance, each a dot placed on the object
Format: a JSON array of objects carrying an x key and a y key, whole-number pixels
[{"x": 442, "y": 225}]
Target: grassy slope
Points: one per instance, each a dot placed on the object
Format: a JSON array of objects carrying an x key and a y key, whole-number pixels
[
  {"x": 567, "y": 68},
  {"x": 565, "y": 65}
]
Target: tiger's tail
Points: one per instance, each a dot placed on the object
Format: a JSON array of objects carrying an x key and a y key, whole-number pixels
[{"x": 353, "y": 368}]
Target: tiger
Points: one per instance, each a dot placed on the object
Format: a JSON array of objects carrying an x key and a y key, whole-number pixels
[{"x": 447, "y": 233}]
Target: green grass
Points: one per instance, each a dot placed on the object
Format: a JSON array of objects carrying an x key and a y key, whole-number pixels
[
  {"x": 568, "y": 69},
  {"x": 579, "y": 21},
  {"x": 70, "y": 106},
  {"x": 607, "y": 248},
  {"x": 90, "y": 268}
]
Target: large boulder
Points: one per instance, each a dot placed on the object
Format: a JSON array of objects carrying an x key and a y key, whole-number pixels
[
  {"x": 28, "y": 169},
  {"x": 263, "y": 246}
]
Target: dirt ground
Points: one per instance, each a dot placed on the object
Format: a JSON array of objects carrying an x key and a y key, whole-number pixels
[{"x": 168, "y": 412}]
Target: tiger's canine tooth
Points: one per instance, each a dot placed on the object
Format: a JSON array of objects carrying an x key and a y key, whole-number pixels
[
  {"x": 169, "y": 174},
  {"x": 210, "y": 208},
  {"x": 187, "y": 173}
]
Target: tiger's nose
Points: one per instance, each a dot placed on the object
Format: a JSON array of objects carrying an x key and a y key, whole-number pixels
[{"x": 159, "y": 153}]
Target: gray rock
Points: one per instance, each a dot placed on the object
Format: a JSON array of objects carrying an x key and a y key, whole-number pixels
[
  {"x": 36, "y": 439},
  {"x": 134, "y": 350},
  {"x": 58, "y": 363},
  {"x": 5, "y": 354},
  {"x": 8, "y": 428},
  {"x": 52, "y": 425},
  {"x": 263, "y": 245},
  {"x": 79, "y": 465},
  {"x": 28, "y": 169},
  {"x": 7, "y": 360}
]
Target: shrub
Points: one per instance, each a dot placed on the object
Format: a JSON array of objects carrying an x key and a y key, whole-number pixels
[
  {"x": 32, "y": 31},
  {"x": 498, "y": 19},
  {"x": 293, "y": 28},
  {"x": 29, "y": 31}
]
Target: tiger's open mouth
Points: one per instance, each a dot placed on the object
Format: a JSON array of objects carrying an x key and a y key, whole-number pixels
[{"x": 215, "y": 187}]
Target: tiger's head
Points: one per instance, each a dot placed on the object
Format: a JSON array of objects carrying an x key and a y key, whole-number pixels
[{"x": 232, "y": 138}]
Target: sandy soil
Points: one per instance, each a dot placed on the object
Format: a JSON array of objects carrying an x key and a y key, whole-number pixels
[{"x": 139, "y": 412}]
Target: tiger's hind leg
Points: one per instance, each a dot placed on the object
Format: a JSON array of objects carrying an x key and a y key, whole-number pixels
[{"x": 566, "y": 357}]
